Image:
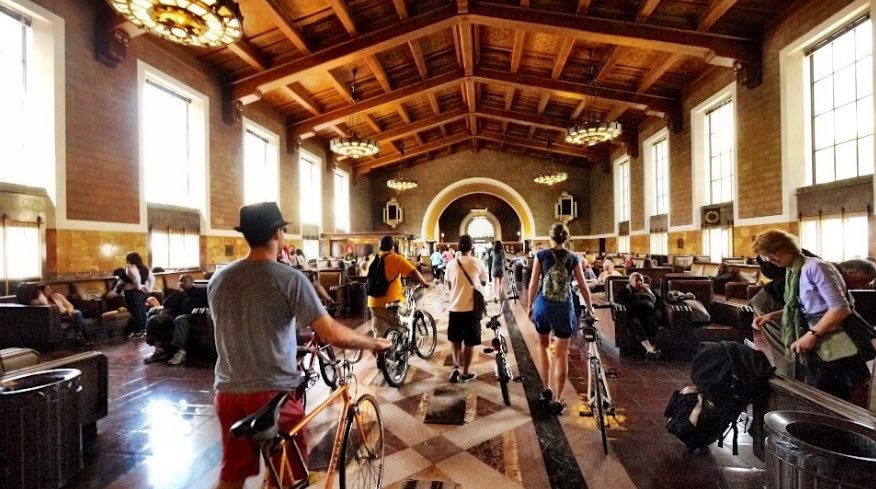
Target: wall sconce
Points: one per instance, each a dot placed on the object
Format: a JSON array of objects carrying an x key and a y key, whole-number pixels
[
  {"x": 393, "y": 214},
  {"x": 566, "y": 208}
]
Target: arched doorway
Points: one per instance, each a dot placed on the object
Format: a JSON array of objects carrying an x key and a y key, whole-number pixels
[{"x": 483, "y": 232}]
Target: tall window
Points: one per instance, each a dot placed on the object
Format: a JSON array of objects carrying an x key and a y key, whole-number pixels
[
  {"x": 342, "y": 201},
  {"x": 310, "y": 188},
  {"x": 623, "y": 244},
  {"x": 659, "y": 243},
  {"x": 174, "y": 248},
  {"x": 717, "y": 243},
  {"x": 720, "y": 141},
  {"x": 173, "y": 143},
  {"x": 836, "y": 238},
  {"x": 841, "y": 69},
  {"x": 660, "y": 152},
  {"x": 261, "y": 175},
  {"x": 16, "y": 105},
  {"x": 624, "y": 189},
  {"x": 20, "y": 251}
]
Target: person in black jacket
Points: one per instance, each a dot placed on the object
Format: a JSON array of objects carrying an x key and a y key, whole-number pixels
[
  {"x": 641, "y": 304},
  {"x": 196, "y": 298}
]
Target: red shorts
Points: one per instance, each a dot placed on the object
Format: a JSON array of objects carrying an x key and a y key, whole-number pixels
[{"x": 240, "y": 456}]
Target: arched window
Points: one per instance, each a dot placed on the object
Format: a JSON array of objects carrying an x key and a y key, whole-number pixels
[{"x": 480, "y": 227}]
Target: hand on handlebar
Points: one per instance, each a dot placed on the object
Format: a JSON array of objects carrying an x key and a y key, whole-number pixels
[{"x": 381, "y": 344}]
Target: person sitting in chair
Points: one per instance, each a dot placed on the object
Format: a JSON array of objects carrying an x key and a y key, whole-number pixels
[
  {"x": 44, "y": 295},
  {"x": 641, "y": 304}
]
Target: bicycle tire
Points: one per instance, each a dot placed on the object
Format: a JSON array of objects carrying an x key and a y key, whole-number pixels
[
  {"x": 600, "y": 413},
  {"x": 502, "y": 367},
  {"x": 425, "y": 335},
  {"x": 362, "y": 450},
  {"x": 393, "y": 363},
  {"x": 329, "y": 371}
]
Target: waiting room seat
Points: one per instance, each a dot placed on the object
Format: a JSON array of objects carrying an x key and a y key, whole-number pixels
[
  {"x": 746, "y": 285},
  {"x": 665, "y": 338},
  {"x": 334, "y": 284},
  {"x": 655, "y": 275}
]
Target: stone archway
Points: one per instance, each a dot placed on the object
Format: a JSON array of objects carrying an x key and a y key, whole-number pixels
[
  {"x": 429, "y": 229},
  {"x": 497, "y": 226}
]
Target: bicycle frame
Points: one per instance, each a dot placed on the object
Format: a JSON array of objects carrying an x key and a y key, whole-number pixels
[{"x": 596, "y": 369}]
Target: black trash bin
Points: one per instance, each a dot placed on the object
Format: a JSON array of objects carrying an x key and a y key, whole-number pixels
[
  {"x": 356, "y": 298},
  {"x": 813, "y": 451},
  {"x": 40, "y": 438}
]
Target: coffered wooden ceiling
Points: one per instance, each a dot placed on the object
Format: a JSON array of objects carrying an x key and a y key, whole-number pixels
[{"x": 439, "y": 76}]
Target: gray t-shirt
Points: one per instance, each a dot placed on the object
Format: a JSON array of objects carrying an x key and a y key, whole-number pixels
[{"x": 256, "y": 307}]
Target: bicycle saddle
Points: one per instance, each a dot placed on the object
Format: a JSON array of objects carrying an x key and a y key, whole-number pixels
[
  {"x": 393, "y": 306},
  {"x": 262, "y": 424}
]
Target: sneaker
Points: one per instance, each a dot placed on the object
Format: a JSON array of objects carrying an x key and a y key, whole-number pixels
[
  {"x": 178, "y": 357},
  {"x": 558, "y": 407},
  {"x": 454, "y": 376},
  {"x": 655, "y": 355},
  {"x": 467, "y": 377},
  {"x": 157, "y": 356},
  {"x": 547, "y": 395}
]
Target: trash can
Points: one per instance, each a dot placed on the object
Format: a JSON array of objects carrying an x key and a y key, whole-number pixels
[
  {"x": 356, "y": 298},
  {"x": 40, "y": 442},
  {"x": 813, "y": 451}
]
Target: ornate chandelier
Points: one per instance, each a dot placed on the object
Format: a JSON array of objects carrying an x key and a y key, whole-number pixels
[
  {"x": 401, "y": 184},
  {"x": 551, "y": 178},
  {"x": 191, "y": 22},
  {"x": 354, "y": 146},
  {"x": 592, "y": 130}
]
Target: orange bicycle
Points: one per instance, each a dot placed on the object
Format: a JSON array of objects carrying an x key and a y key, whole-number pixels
[{"x": 357, "y": 450}]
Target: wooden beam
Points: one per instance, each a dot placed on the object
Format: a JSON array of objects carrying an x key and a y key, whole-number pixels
[
  {"x": 517, "y": 50},
  {"x": 566, "y": 46},
  {"x": 616, "y": 112},
  {"x": 582, "y": 104},
  {"x": 247, "y": 53},
  {"x": 659, "y": 68},
  {"x": 715, "y": 11},
  {"x": 372, "y": 123},
  {"x": 339, "y": 87},
  {"x": 583, "y": 5},
  {"x": 367, "y": 166},
  {"x": 378, "y": 72},
  {"x": 610, "y": 61},
  {"x": 542, "y": 104},
  {"x": 433, "y": 101},
  {"x": 419, "y": 59},
  {"x": 524, "y": 4},
  {"x": 471, "y": 95},
  {"x": 509, "y": 97},
  {"x": 403, "y": 113},
  {"x": 646, "y": 10},
  {"x": 250, "y": 88},
  {"x": 466, "y": 46},
  {"x": 340, "y": 131},
  {"x": 558, "y": 148},
  {"x": 401, "y": 8},
  {"x": 278, "y": 14},
  {"x": 415, "y": 90},
  {"x": 343, "y": 14},
  {"x": 422, "y": 125},
  {"x": 303, "y": 98},
  {"x": 715, "y": 49}
]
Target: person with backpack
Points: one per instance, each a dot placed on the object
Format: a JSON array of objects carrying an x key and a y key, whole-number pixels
[
  {"x": 552, "y": 310},
  {"x": 464, "y": 275},
  {"x": 384, "y": 286},
  {"x": 818, "y": 347}
]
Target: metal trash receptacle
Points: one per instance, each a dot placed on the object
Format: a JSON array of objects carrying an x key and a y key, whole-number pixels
[
  {"x": 40, "y": 437},
  {"x": 356, "y": 298},
  {"x": 813, "y": 451}
]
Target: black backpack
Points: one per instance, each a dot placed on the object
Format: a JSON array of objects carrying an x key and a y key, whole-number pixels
[
  {"x": 376, "y": 284},
  {"x": 727, "y": 377}
]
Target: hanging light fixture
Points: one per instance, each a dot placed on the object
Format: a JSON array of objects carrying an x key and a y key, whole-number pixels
[
  {"x": 398, "y": 183},
  {"x": 191, "y": 22},
  {"x": 354, "y": 146},
  {"x": 592, "y": 130},
  {"x": 552, "y": 178}
]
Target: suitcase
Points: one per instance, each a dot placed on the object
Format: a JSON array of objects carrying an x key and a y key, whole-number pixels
[{"x": 16, "y": 358}]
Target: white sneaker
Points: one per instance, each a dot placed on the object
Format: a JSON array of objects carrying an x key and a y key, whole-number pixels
[{"x": 178, "y": 357}]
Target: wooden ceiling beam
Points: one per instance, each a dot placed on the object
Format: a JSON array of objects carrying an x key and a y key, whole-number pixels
[
  {"x": 661, "y": 67},
  {"x": 343, "y": 14},
  {"x": 403, "y": 113},
  {"x": 715, "y": 49},
  {"x": 300, "y": 95},
  {"x": 378, "y": 72},
  {"x": 616, "y": 112},
  {"x": 509, "y": 97},
  {"x": 372, "y": 123},
  {"x": 715, "y": 11},
  {"x": 542, "y": 104},
  {"x": 401, "y": 8},
  {"x": 433, "y": 101},
  {"x": 466, "y": 46},
  {"x": 583, "y": 6},
  {"x": 557, "y": 148},
  {"x": 422, "y": 125},
  {"x": 419, "y": 59},
  {"x": 339, "y": 87},
  {"x": 367, "y": 166},
  {"x": 610, "y": 61},
  {"x": 646, "y": 9},
  {"x": 306, "y": 127},
  {"x": 248, "y": 54},
  {"x": 524, "y": 4},
  {"x": 565, "y": 49},
  {"x": 340, "y": 131},
  {"x": 279, "y": 15},
  {"x": 250, "y": 88},
  {"x": 517, "y": 50},
  {"x": 582, "y": 104}
]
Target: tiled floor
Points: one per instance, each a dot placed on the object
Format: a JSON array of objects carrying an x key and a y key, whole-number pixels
[{"x": 162, "y": 431}]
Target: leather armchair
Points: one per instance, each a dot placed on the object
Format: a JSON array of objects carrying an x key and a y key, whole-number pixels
[
  {"x": 624, "y": 339},
  {"x": 746, "y": 285},
  {"x": 37, "y": 327}
]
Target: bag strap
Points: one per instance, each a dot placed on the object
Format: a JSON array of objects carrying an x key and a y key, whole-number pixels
[{"x": 466, "y": 273}]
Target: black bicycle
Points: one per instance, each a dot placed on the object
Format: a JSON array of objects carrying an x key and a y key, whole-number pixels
[{"x": 500, "y": 347}]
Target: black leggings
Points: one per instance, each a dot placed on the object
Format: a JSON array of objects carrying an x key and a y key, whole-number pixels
[
  {"x": 135, "y": 301},
  {"x": 642, "y": 323}
]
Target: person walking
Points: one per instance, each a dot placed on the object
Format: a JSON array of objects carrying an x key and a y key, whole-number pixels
[
  {"x": 497, "y": 268},
  {"x": 552, "y": 310},
  {"x": 137, "y": 284},
  {"x": 464, "y": 275},
  {"x": 258, "y": 305},
  {"x": 394, "y": 268}
]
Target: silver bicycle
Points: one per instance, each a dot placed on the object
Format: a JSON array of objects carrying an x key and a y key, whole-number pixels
[
  {"x": 415, "y": 333},
  {"x": 598, "y": 397}
]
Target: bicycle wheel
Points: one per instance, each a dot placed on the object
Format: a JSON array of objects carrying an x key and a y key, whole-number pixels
[
  {"x": 502, "y": 367},
  {"x": 600, "y": 412},
  {"x": 329, "y": 370},
  {"x": 362, "y": 449},
  {"x": 425, "y": 335},
  {"x": 394, "y": 361}
]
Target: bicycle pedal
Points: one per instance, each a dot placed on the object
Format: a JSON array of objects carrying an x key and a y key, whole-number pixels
[
  {"x": 488, "y": 350},
  {"x": 612, "y": 373},
  {"x": 518, "y": 378},
  {"x": 585, "y": 414}
]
